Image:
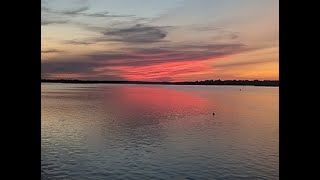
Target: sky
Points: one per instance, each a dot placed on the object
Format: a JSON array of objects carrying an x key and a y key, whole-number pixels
[{"x": 160, "y": 40}]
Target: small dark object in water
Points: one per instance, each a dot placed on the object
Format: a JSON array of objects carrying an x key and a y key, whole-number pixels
[
  {"x": 213, "y": 114},
  {"x": 240, "y": 89}
]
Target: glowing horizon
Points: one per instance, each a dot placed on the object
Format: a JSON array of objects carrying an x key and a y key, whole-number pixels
[{"x": 167, "y": 40}]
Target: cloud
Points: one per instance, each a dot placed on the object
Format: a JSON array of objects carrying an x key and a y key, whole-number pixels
[
  {"x": 106, "y": 14},
  {"x": 81, "y": 70},
  {"x": 66, "y": 67},
  {"x": 99, "y": 14},
  {"x": 70, "y": 12},
  {"x": 112, "y": 56},
  {"x": 140, "y": 63},
  {"x": 51, "y": 51},
  {"x": 245, "y": 63},
  {"x": 143, "y": 33},
  {"x": 52, "y": 21},
  {"x": 81, "y": 12},
  {"x": 137, "y": 34},
  {"x": 77, "y": 42},
  {"x": 75, "y": 11},
  {"x": 174, "y": 53}
]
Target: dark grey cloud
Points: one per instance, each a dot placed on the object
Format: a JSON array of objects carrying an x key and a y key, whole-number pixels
[
  {"x": 52, "y": 21},
  {"x": 77, "y": 42},
  {"x": 178, "y": 53},
  {"x": 106, "y": 14},
  {"x": 80, "y": 11},
  {"x": 99, "y": 14},
  {"x": 50, "y": 69},
  {"x": 110, "y": 15},
  {"x": 136, "y": 34},
  {"x": 70, "y": 12},
  {"x": 112, "y": 56},
  {"x": 74, "y": 11},
  {"x": 51, "y": 51}
]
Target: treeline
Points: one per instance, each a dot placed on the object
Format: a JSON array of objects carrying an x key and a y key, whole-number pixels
[
  {"x": 234, "y": 82},
  {"x": 206, "y": 82}
]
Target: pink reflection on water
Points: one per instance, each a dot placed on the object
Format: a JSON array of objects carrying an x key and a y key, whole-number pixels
[{"x": 153, "y": 103}]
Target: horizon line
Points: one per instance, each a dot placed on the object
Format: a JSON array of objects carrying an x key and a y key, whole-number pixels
[
  {"x": 204, "y": 82},
  {"x": 156, "y": 81}
]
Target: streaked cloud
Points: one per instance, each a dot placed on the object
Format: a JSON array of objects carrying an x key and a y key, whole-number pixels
[
  {"x": 53, "y": 21},
  {"x": 51, "y": 51},
  {"x": 173, "y": 58},
  {"x": 106, "y": 14},
  {"x": 77, "y": 42},
  {"x": 151, "y": 56},
  {"x": 137, "y": 34},
  {"x": 74, "y": 11},
  {"x": 74, "y": 69}
]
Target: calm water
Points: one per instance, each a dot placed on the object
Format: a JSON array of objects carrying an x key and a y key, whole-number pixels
[{"x": 159, "y": 132}]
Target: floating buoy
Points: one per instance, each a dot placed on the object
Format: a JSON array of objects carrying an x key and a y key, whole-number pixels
[{"x": 213, "y": 114}]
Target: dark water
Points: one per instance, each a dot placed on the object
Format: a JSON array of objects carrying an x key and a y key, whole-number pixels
[{"x": 159, "y": 132}]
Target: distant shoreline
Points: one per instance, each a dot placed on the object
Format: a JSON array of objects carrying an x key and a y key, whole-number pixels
[{"x": 269, "y": 83}]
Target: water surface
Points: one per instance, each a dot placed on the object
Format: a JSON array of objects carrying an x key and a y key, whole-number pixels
[{"x": 105, "y": 131}]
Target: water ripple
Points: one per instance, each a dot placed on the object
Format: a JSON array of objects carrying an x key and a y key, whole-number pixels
[{"x": 158, "y": 132}]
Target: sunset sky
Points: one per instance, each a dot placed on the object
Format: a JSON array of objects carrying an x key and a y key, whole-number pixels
[{"x": 160, "y": 40}]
